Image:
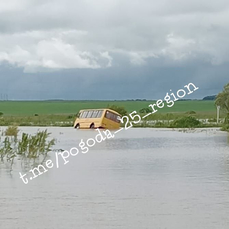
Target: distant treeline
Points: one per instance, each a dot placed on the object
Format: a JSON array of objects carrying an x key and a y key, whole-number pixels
[{"x": 210, "y": 97}]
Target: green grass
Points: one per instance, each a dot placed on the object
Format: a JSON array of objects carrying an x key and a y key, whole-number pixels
[
  {"x": 26, "y": 108},
  {"x": 62, "y": 113},
  {"x": 41, "y": 120}
]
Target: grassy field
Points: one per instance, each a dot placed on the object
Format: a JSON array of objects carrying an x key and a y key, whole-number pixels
[
  {"x": 62, "y": 113},
  {"x": 27, "y": 108}
]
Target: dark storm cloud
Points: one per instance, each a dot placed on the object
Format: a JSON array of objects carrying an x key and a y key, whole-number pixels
[
  {"x": 130, "y": 49},
  {"x": 125, "y": 82}
]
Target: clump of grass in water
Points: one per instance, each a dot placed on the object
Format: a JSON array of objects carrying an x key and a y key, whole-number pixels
[
  {"x": 225, "y": 127},
  {"x": 6, "y": 151},
  {"x": 186, "y": 122},
  {"x": 30, "y": 149},
  {"x": 12, "y": 131}
]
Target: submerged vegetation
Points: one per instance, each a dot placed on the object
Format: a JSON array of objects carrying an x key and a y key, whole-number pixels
[
  {"x": 12, "y": 131},
  {"x": 30, "y": 149},
  {"x": 186, "y": 122}
]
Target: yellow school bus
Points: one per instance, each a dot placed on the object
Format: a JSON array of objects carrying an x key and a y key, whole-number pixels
[{"x": 97, "y": 118}]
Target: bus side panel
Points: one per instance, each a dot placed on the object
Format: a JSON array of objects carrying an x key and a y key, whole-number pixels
[
  {"x": 109, "y": 124},
  {"x": 86, "y": 123}
]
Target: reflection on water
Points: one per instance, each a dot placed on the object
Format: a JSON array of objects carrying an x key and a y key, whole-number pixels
[{"x": 143, "y": 178}]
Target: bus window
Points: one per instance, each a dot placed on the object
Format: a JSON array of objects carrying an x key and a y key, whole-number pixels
[
  {"x": 89, "y": 114},
  {"x": 99, "y": 114},
  {"x": 118, "y": 118},
  {"x": 107, "y": 115},
  {"x": 84, "y": 114},
  {"x": 94, "y": 114},
  {"x": 112, "y": 116}
]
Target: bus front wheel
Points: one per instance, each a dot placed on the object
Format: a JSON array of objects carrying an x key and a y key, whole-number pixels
[
  {"x": 92, "y": 126},
  {"x": 77, "y": 126}
]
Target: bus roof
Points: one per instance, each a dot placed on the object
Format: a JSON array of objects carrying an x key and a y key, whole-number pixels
[{"x": 100, "y": 109}]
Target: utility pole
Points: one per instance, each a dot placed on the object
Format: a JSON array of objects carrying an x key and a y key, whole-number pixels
[{"x": 218, "y": 108}]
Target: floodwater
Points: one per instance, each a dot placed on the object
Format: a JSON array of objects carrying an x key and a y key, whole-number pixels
[{"x": 141, "y": 178}]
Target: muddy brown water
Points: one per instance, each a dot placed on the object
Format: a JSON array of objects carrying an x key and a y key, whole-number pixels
[{"x": 141, "y": 178}]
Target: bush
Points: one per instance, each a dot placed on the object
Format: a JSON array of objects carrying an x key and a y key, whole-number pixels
[
  {"x": 1, "y": 114},
  {"x": 190, "y": 112},
  {"x": 12, "y": 131},
  {"x": 225, "y": 127},
  {"x": 159, "y": 124},
  {"x": 226, "y": 121},
  {"x": 145, "y": 110},
  {"x": 186, "y": 122},
  {"x": 121, "y": 110},
  {"x": 35, "y": 114}
]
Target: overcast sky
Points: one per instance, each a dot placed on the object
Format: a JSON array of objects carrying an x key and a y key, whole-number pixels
[{"x": 112, "y": 49}]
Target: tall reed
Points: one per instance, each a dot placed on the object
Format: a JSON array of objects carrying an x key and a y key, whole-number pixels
[{"x": 30, "y": 149}]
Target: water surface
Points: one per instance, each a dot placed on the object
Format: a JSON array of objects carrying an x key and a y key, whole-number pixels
[{"x": 142, "y": 178}]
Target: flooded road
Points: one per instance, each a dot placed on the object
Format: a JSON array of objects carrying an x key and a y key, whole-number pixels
[{"x": 142, "y": 178}]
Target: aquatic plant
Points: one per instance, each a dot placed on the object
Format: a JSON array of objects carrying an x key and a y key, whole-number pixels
[
  {"x": 12, "y": 131},
  {"x": 225, "y": 127},
  {"x": 186, "y": 122},
  {"x": 30, "y": 149}
]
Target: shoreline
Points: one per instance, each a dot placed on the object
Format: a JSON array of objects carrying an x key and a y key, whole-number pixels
[{"x": 156, "y": 128}]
